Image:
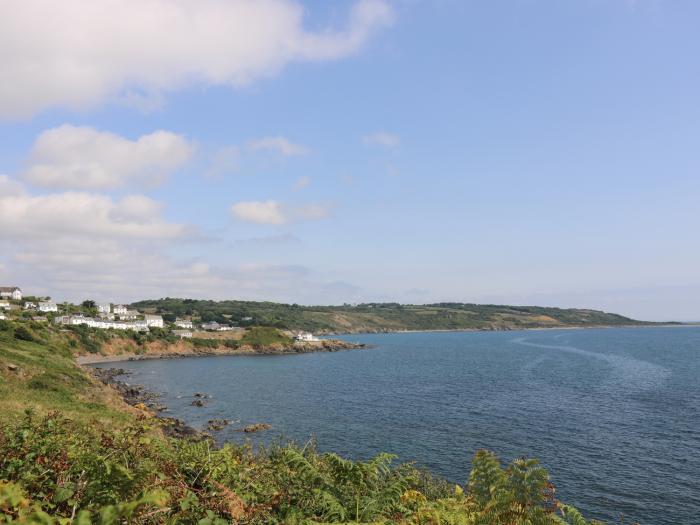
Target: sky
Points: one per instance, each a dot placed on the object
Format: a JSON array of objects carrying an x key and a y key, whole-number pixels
[{"x": 523, "y": 152}]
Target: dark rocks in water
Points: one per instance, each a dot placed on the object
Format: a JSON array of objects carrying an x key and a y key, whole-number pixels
[
  {"x": 132, "y": 394},
  {"x": 201, "y": 395},
  {"x": 173, "y": 427},
  {"x": 255, "y": 427},
  {"x": 199, "y": 403},
  {"x": 217, "y": 424},
  {"x": 108, "y": 375}
]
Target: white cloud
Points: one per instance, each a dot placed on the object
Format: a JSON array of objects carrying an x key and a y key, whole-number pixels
[
  {"x": 279, "y": 144},
  {"x": 9, "y": 187},
  {"x": 84, "y": 217},
  {"x": 78, "y": 157},
  {"x": 259, "y": 212},
  {"x": 275, "y": 213},
  {"x": 382, "y": 138},
  {"x": 79, "y": 54},
  {"x": 302, "y": 182}
]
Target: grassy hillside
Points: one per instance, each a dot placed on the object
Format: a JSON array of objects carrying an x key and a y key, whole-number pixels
[
  {"x": 383, "y": 316},
  {"x": 72, "y": 454}
]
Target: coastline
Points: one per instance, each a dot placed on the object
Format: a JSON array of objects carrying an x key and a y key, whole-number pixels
[
  {"x": 518, "y": 329},
  {"x": 331, "y": 345},
  {"x": 326, "y": 345}
]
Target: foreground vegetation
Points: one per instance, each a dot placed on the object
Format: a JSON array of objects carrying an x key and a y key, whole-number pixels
[
  {"x": 73, "y": 453},
  {"x": 381, "y": 316}
]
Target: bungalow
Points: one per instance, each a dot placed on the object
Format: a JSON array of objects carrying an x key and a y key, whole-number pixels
[
  {"x": 4, "y": 305},
  {"x": 10, "y": 292},
  {"x": 306, "y": 337},
  {"x": 184, "y": 323},
  {"x": 211, "y": 326},
  {"x": 155, "y": 321},
  {"x": 183, "y": 334},
  {"x": 119, "y": 309},
  {"x": 47, "y": 306}
]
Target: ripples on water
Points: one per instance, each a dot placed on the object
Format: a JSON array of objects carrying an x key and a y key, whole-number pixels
[{"x": 612, "y": 413}]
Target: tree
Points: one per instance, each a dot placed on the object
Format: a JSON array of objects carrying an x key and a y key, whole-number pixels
[{"x": 88, "y": 303}]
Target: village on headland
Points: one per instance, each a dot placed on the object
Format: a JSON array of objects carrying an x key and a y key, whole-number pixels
[{"x": 14, "y": 305}]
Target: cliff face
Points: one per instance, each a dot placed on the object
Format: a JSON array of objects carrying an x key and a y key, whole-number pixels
[{"x": 126, "y": 349}]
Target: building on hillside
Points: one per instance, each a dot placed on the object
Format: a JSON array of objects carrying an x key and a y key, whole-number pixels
[
  {"x": 102, "y": 323},
  {"x": 2, "y": 316},
  {"x": 184, "y": 323},
  {"x": 104, "y": 308},
  {"x": 10, "y": 292},
  {"x": 47, "y": 306},
  {"x": 212, "y": 326},
  {"x": 306, "y": 337},
  {"x": 39, "y": 318},
  {"x": 130, "y": 315},
  {"x": 153, "y": 321},
  {"x": 29, "y": 306},
  {"x": 4, "y": 305},
  {"x": 247, "y": 319},
  {"x": 183, "y": 334}
]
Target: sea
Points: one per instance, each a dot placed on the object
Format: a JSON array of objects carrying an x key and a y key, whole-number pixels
[{"x": 612, "y": 413}]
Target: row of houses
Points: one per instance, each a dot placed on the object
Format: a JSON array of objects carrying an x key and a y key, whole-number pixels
[{"x": 149, "y": 321}]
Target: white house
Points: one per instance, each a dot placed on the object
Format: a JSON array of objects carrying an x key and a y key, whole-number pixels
[
  {"x": 10, "y": 292},
  {"x": 183, "y": 334},
  {"x": 4, "y": 305},
  {"x": 119, "y": 309},
  {"x": 184, "y": 323},
  {"x": 29, "y": 306},
  {"x": 155, "y": 321},
  {"x": 211, "y": 326},
  {"x": 2, "y": 317},
  {"x": 104, "y": 308},
  {"x": 130, "y": 315},
  {"x": 47, "y": 306},
  {"x": 306, "y": 337}
]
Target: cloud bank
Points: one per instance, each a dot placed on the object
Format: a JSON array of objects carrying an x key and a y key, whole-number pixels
[
  {"x": 71, "y": 157},
  {"x": 78, "y": 54}
]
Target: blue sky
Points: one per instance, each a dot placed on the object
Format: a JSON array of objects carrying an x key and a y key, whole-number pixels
[{"x": 522, "y": 151}]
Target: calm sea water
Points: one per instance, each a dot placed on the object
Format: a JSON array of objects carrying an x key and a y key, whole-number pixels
[{"x": 614, "y": 414}]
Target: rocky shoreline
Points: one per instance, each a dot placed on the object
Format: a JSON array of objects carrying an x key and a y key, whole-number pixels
[
  {"x": 324, "y": 345},
  {"x": 138, "y": 397}
]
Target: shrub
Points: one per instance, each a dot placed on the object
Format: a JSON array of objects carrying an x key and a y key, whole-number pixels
[
  {"x": 53, "y": 466},
  {"x": 205, "y": 343},
  {"x": 23, "y": 334}
]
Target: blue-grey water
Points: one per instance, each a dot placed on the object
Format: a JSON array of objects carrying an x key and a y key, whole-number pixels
[{"x": 614, "y": 414}]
